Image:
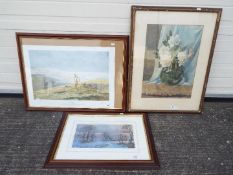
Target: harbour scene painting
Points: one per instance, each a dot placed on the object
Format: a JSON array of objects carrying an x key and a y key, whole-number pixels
[
  {"x": 170, "y": 60},
  {"x": 104, "y": 136}
]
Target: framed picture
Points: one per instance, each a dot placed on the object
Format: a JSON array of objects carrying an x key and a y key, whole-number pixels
[
  {"x": 73, "y": 72},
  {"x": 170, "y": 57},
  {"x": 110, "y": 140}
]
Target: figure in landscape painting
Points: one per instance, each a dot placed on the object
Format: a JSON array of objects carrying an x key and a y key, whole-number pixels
[
  {"x": 170, "y": 60},
  {"x": 70, "y": 75}
]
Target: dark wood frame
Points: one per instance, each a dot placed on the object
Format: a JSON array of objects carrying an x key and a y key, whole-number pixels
[
  {"x": 123, "y": 38},
  {"x": 109, "y": 164},
  {"x": 134, "y": 9}
]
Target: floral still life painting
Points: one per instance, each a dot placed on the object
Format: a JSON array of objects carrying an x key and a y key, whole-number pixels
[
  {"x": 170, "y": 60},
  {"x": 103, "y": 136}
]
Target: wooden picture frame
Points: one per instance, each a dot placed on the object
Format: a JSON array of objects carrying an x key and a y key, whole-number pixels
[
  {"x": 72, "y": 72},
  {"x": 170, "y": 57},
  {"x": 67, "y": 150}
]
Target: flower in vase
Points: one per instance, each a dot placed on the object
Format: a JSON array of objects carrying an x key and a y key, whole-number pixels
[
  {"x": 165, "y": 56},
  {"x": 174, "y": 41},
  {"x": 181, "y": 57},
  {"x": 165, "y": 60},
  {"x": 163, "y": 50}
]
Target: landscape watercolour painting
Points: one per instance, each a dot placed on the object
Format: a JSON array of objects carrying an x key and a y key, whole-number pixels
[
  {"x": 65, "y": 73},
  {"x": 104, "y": 136},
  {"x": 170, "y": 60}
]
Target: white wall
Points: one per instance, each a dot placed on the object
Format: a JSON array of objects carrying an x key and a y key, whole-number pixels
[{"x": 100, "y": 17}]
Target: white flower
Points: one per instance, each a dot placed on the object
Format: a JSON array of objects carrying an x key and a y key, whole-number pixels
[
  {"x": 174, "y": 41},
  {"x": 163, "y": 50},
  {"x": 165, "y": 56},
  {"x": 182, "y": 57},
  {"x": 165, "y": 60}
]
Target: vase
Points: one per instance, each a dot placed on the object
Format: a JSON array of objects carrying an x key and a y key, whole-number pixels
[{"x": 173, "y": 74}]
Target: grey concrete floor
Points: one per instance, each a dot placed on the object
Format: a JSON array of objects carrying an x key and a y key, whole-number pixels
[{"x": 185, "y": 143}]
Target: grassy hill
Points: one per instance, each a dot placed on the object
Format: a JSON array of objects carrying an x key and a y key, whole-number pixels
[
  {"x": 96, "y": 90},
  {"x": 97, "y": 81}
]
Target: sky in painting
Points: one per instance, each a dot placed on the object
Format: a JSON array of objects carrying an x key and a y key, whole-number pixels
[
  {"x": 63, "y": 65},
  {"x": 80, "y": 61},
  {"x": 102, "y": 128}
]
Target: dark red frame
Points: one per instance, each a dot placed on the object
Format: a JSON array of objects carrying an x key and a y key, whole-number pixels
[
  {"x": 108, "y": 164},
  {"x": 123, "y": 38}
]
